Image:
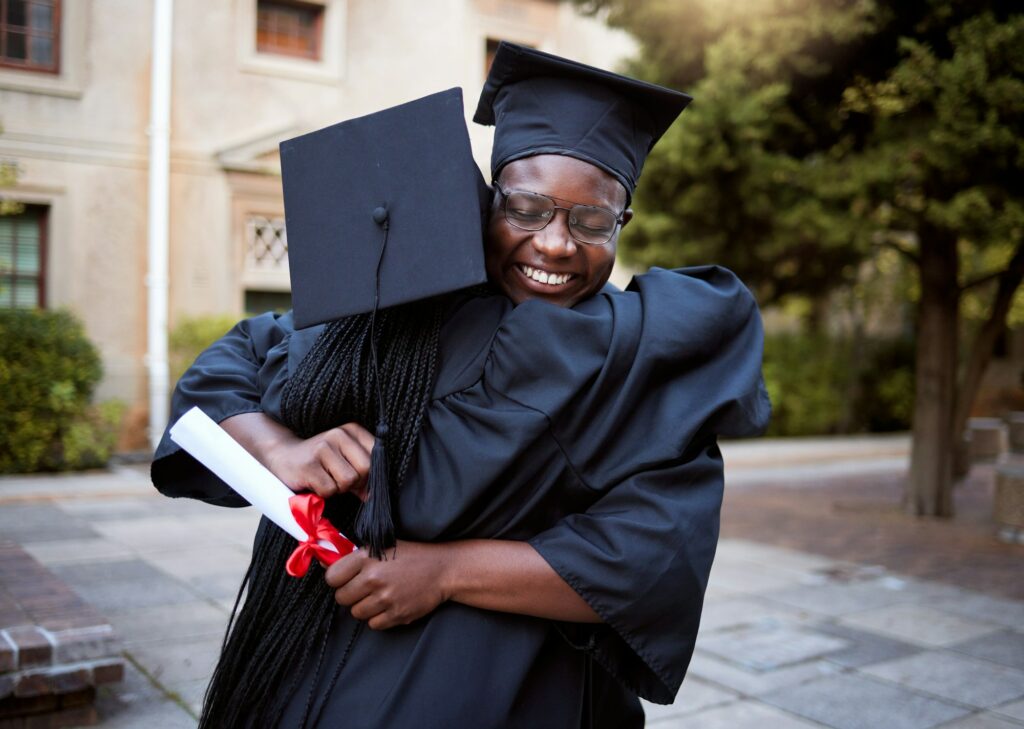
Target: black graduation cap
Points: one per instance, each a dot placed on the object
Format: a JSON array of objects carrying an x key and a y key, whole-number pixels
[
  {"x": 544, "y": 104},
  {"x": 407, "y": 171},
  {"x": 382, "y": 210}
]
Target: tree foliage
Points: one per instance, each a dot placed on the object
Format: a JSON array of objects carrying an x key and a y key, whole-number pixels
[
  {"x": 752, "y": 178},
  {"x": 823, "y": 130},
  {"x": 777, "y": 168},
  {"x": 946, "y": 151},
  {"x": 945, "y": 156}
]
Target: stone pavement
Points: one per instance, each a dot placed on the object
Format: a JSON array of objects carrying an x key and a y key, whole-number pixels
[{"x": 827, "y": 608}]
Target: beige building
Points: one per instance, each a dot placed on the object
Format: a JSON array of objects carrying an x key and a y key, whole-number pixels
[{"x": 74, "y": 107}]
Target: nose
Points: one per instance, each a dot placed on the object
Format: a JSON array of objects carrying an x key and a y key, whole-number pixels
[{"x": 554, "y": 240}]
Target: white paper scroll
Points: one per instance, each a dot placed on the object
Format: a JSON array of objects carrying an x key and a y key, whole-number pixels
[{"x": 211, "y": 445}]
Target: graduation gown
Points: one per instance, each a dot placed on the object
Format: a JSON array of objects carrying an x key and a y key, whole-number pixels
[{"x": 589, "y": 432}]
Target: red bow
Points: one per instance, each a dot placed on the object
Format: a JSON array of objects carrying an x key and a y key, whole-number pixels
[{"x": 308, "y": 511}]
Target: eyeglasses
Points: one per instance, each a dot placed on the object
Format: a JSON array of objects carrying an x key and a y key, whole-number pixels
[{"x": 532, "y": 211}]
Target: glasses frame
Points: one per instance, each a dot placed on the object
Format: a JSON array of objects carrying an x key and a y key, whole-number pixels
[{"x": 619, "y": 217}]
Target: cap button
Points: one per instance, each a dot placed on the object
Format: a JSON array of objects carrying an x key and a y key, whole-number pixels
[{"x": 380, "y": 215}]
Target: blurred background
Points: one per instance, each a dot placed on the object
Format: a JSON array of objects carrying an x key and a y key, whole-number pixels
[
  {"x": 859, "y": 164},
  {"x": 79, "y": 86}
]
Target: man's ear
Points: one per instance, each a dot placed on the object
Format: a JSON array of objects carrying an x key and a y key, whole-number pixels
[{"x": 627, "y": 215}]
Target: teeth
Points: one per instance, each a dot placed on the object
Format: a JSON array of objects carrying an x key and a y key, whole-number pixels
[{"x": 551, "y": 279}]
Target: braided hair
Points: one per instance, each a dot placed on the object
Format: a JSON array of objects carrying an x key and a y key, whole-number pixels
[{"x": 283, "y": 619}]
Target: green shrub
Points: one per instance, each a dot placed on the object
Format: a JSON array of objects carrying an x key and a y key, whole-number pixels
[
  {"x": 48, "y": 371},
  {"x": 808, "y": 382},
  {"x": 89, "y": 440},
  {"x": 824, "y": 385},
  {"x": 191, "y": 336}
]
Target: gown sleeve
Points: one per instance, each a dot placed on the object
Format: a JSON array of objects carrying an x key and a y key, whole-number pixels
[
  {"x": 232, "y": 376},
  {"x": 637, "y": 387}
]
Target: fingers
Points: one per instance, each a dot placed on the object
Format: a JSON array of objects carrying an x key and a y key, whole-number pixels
[
  {"x": 301, "y": 469},
  {"x": 366, "y": 438},
  {"x": 354, "y": 592},
  {"x": 375, "y": 593},
  {"x": 344, "y": 453},
  {"x": 335, "y": 468},
  {"x": 367, "y": 603},
  {"x": 335, "y": 461},
  {"x": 379, "y": 614},
  {"x": 356, "y": 586},
  {"x": 369, "y": 609},
  {"x": 345, "y": 569},
  {"x": 314, "y": 477},
  {"x": 383, "y": 621}
]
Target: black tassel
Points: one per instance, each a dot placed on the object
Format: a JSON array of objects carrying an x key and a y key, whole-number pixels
[{"x": 375, "y": 528}]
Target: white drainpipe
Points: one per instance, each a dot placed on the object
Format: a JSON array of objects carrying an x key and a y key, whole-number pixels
[{"x": 159, "y": 183}]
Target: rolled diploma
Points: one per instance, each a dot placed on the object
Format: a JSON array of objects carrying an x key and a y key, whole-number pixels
[{"x": 211, "y": 445}]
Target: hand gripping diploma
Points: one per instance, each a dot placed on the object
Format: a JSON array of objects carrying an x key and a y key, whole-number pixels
[{"x": 301, "y": 515}]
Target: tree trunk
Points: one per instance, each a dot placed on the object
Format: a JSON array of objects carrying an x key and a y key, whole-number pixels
[
  {"x": 930, "y": 485},
  {"x": 981, "y": 351}
]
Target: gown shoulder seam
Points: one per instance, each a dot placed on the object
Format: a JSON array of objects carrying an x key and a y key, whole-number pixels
[{"x": 551, "y": 433}]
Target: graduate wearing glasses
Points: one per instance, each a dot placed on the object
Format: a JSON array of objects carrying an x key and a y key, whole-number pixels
[{"x": 554, "y": 476}]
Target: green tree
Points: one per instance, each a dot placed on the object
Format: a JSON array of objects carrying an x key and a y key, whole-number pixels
[
  {"x": 946, "y": 161},
  {"x": 824, "y": 129},
  {"x": 752, "y": 176}
]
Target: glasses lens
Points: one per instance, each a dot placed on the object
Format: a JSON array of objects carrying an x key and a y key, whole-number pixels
[
  {"x": 528, "y": 211},
  {"x": 591, "y": 225}
]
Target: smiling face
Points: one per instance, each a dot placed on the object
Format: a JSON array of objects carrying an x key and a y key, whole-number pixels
[{"x": 520, "y": 261}]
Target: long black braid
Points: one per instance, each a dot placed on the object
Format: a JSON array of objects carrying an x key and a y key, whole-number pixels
[{"x": 284, "y": 622}]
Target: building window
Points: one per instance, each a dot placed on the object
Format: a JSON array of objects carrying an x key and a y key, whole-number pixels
[
  {"x": 22, "y": 258},
  {"x": 266, "y": 244},
  {"x": 30, "y": 34},
  {"x": 289, "y": 28},
  {"x": 265, "y": 281}
]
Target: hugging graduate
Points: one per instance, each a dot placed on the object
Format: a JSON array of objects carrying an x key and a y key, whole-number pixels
[{"x": 527, "y": 455}]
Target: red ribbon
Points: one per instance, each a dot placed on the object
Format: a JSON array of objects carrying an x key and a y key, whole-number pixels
[{"x": 308, "y": 510}]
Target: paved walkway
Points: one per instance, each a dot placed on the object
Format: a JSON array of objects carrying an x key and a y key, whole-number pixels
[{"x": 819, "y": 614}]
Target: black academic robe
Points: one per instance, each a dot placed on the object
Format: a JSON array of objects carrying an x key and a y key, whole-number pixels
[{"x": 589, "y": 432}]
